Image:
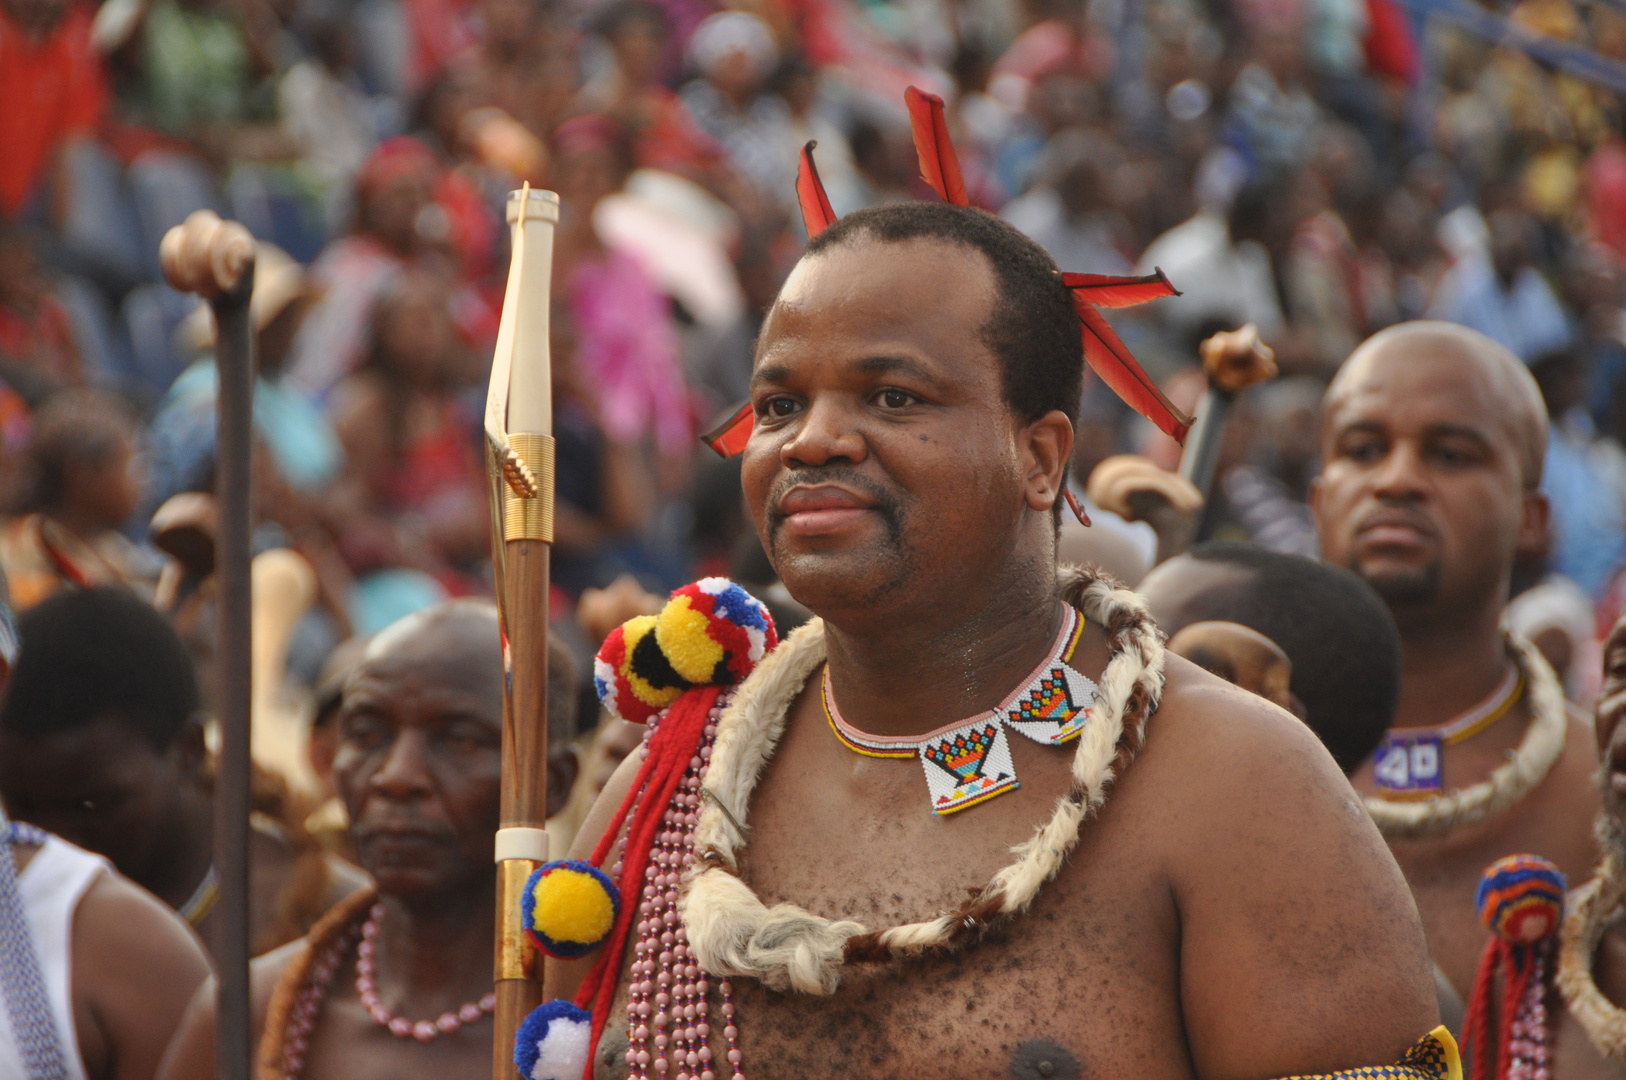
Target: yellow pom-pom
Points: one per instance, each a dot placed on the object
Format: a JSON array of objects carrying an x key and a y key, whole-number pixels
[
  {"x": 570, "y": 907},
  {"x": 635, "y": 630},
  {"x": 681, "y": 632}
]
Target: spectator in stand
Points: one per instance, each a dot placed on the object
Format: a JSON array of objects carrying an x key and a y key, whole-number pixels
[
  {"x": 1585, "y": 478},
  {"x": 414, "y": 489},
  {"x": 52, "y": 90},
  {"x": 629, "y": 91},
  {"x": 202, "y": 68},
  {"x": 734, "y": 53},
  {"x": 82, "y": 483},
  {"x": 304, "y": 452},
  {"x": 38, "y": 355},
  {"x": 1069, "y": 212},
  {"x": 626, "y": 344},
  {"x": 1502, "y": 293},
  {"x": 394, "y": 194}
]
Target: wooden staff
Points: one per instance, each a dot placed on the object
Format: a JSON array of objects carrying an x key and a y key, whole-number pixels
[
  {"x": 519, "y": 467},
  {"x": 215, "y": 259},
  {"x": 1233, "y": 360}
]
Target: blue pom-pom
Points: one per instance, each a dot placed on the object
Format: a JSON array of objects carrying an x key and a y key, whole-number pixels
[
  {"x": 553, "y": 1042},
  {"x": 569, "y": 907}
]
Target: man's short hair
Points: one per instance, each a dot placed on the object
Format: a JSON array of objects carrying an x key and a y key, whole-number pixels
[
  {"x": 91, "y": 654},
  {"x": 1335, "y": 629},
  {"x": 1033, "y": 329}
]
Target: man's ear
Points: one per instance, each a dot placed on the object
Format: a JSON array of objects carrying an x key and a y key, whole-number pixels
[
  {"x": 564, "y": 765},
  {"x": 1046, "y": 446},
  {"x": 1534, "y": 539}
]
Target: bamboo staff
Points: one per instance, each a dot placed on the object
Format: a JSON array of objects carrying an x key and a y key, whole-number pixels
[
  {"x": 215, "y": 259},
  {"x": 519, "y": 467}
]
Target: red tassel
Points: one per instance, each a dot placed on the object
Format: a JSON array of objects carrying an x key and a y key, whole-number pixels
[
  {"x": 1476, "y": 1025},
  {"x": 817, "y": 214},
  {"x": 1110, "y": 358},
  {"x": 1107, "y": 291},
  {"x": 939, "y": 166},
  {"x": 728, "y": 436},
  {"x": 670, "y": 749}
]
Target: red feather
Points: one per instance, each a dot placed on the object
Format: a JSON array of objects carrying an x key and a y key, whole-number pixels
[
  {"x": 1110, "y": 358},
  {"x": 1107, "y": 291},
  {"x": 817, "y": 213},
  {"x": 939, "y": 166},
  {"x": 729, "y": 436}
]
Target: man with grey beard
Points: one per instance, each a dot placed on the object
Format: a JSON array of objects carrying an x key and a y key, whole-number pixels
[{"x": 1432, "y": 444}]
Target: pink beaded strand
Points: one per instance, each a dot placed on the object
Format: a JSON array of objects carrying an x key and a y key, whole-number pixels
[
  {"x": 423, "y": 1030},
  {"x": 308, "y": 1005},
  {"x": 1529, "y": 1050},
  {"x": 668, "y": 1025}
]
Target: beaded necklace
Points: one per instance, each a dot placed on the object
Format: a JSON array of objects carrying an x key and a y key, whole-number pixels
[
  {"x": 1408, "y": 761},
  {"x": 302, "y": 990},
  {"x": 969, "y": 762},
  {"x": 668, "y": 1014},
  {"x": 730, "y": 931},
  {"x": 1524, "y": 770}
]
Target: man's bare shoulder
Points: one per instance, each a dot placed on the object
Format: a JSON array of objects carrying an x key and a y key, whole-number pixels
[
  {"x": 136, "y": 965},
  {"x": 191, "y": 1056},
  {"x": 1294, "y": 917}
]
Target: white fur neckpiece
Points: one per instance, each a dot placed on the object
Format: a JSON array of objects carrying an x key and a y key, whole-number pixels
[{"x": 733, "y": 933}]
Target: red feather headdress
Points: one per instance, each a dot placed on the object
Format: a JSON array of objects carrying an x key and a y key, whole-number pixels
[{"x": 1104, "y": 351}]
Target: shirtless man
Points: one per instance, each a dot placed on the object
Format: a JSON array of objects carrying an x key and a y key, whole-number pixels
[
  {"x": 419, "y": 767},
  {"x": 101, "y": 742},
  {"x": 1229, "y": 913},
  {"x": 1432, "y": 447}
]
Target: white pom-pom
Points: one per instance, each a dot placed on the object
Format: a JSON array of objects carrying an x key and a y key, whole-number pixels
[{"x": 562, "y": 1052}]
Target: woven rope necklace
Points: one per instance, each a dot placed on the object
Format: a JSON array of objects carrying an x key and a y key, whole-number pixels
[
  {"x": 731, "y": 932},
  {"x": 1524, "y": 770},
  {"x": 1593, "y": 909},
  {"x": 969, "y": 762}
]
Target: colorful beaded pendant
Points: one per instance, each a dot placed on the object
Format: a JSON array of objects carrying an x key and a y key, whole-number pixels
[{"x": 969, "y": 762}]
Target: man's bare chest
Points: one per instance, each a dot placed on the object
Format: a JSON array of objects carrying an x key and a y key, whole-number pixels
[{"x": 1086, "y": 985}]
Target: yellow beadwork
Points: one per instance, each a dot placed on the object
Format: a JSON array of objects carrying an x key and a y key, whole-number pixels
[{"x": 1433, "y": 1057}]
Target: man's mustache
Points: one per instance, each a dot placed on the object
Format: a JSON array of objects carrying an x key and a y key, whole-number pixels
[{"x": 886, "y": 502}]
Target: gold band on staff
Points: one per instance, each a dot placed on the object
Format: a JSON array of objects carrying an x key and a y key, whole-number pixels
[{"x": 530, "y": 518}]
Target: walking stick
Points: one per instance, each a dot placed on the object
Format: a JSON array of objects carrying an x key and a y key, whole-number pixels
[
  {"x": 519, "y": 469},
  {"x": 1233, "y": 360},
  {"x": 215, "y": 259}
]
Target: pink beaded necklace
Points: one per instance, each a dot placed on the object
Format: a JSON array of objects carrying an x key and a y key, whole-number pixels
[
  {"x": 668, "y": 1016},
  {"x": 367, "y": 986},
  {"x": 312, "y": 995}
]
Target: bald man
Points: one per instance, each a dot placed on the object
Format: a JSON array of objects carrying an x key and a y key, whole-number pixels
[{"x": 1432, "y": 445}]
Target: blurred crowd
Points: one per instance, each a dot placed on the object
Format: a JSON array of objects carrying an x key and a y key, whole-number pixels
[{"x": 1319, "y": 168}]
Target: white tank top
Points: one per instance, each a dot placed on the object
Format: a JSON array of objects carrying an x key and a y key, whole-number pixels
[{"x": 52, "y": 884}]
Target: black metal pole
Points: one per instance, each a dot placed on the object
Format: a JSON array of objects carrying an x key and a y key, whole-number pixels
[{"x": 234, "y": 354}]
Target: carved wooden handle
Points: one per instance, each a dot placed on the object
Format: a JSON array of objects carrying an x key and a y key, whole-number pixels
[
  {"x": 1236, "y": 359},
  {"x": 206, "y": 255}
]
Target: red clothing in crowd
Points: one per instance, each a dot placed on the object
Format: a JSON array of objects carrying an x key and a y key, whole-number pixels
[{"x": 49, "y": 90}]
